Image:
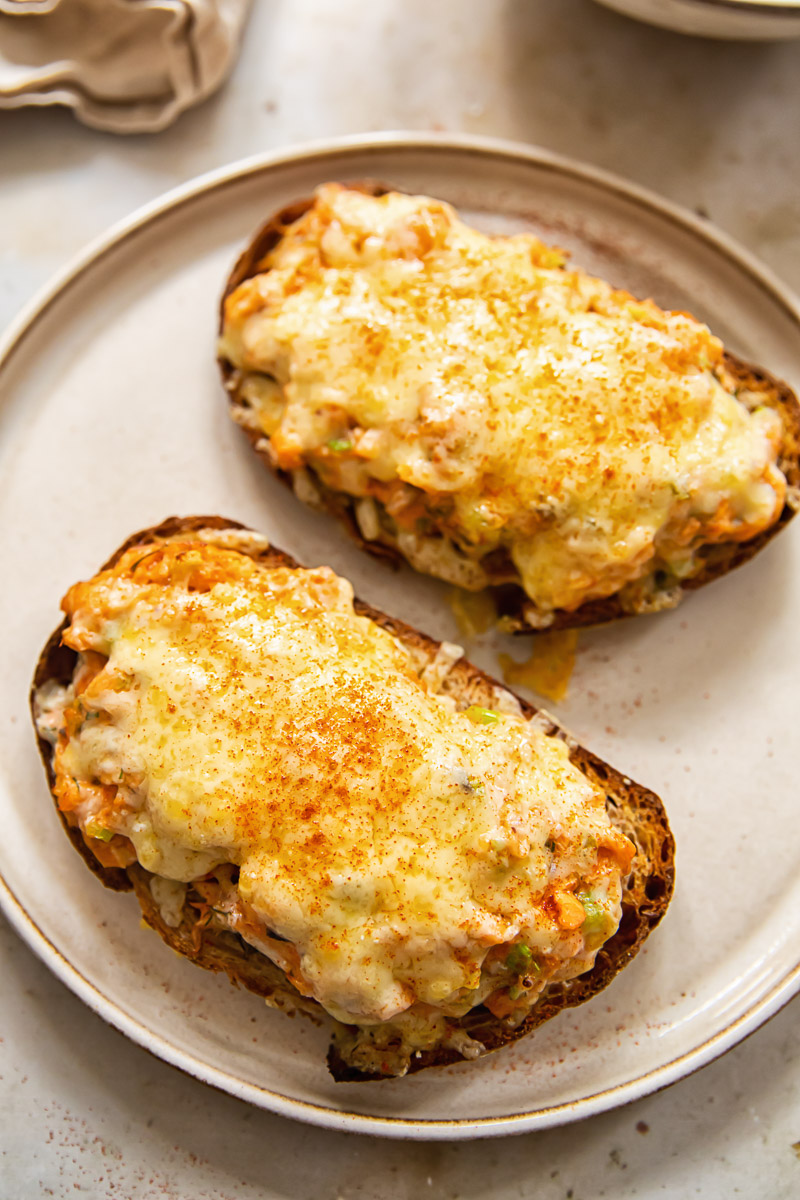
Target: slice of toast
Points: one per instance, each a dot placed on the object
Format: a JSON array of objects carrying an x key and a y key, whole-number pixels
[
  {"x": 754, "y": 388},
  {"x": 633, "y": 810}
]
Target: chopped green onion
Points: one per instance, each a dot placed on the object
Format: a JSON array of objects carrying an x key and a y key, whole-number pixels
[
  {"x": 99, "y": 832},
  {"x": 524, "y": 981},
  {"x": 482, "y": 716},
  {"x": 340, "y": 445},
  {"x": 519, "y": 958},
  {"x": 550, "y": 845},
  {"x": 595, "y": 913},
  {"x": 476, "y": 785}
]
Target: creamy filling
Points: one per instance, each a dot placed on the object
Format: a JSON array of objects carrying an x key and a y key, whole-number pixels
[
  {"x": 399, "y": 859},
  {"x": 487, "y": 399}
]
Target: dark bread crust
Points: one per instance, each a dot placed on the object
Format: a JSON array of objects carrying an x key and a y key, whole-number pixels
[
  {"x": 717, "y": 560},
  {"x": 636, "y": 811}
]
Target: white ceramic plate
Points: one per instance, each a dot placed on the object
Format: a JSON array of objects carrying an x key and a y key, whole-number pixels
[
  {"x": 745, "y": 19},
  {"x": 112, "y": 417}
]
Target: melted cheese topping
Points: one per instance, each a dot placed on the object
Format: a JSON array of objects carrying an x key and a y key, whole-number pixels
[
  {"x": 487, "y": 399},
  {"x": 227, "y": 713}
]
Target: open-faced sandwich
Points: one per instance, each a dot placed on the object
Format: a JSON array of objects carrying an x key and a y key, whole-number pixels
[
  {"x": 339, "y": 812},
  {"x": 471, "y": 404}
]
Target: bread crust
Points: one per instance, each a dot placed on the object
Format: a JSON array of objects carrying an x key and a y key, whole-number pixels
[
  {"x": 510, "y": 599},
  {"x": 635, "y": 810}
]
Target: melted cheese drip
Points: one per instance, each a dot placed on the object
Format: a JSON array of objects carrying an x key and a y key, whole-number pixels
[
  {"x": 390, "y": 838},
  {"x": 481, "y": 391}
]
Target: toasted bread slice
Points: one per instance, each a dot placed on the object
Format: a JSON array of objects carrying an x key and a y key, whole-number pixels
[
  {"x": 753, "y": 386},
  {"x": 632, "y": 809}
]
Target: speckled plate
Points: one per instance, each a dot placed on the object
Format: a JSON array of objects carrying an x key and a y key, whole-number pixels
[{"x": 112, "y": 417}]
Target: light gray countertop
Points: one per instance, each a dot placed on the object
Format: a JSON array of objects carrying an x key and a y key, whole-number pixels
[{"x": 714, "y": 126}]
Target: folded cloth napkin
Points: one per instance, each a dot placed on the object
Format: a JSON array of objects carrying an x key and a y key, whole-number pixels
[{"x": 128, "y": 66}]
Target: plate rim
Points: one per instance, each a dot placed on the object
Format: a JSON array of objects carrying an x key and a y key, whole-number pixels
[
  {"x": 482, "y": 148},
  {"x": 331, "y": 148},
  {"x": 399, "y": 1128}
]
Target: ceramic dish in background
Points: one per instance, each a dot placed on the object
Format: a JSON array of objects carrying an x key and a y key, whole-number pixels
[
  {"x": 112, "y": 417},
  {"x": 745, "y": 19}
]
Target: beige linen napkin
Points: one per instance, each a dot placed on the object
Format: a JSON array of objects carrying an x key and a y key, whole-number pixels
[{"x": 128, "y": 66}]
